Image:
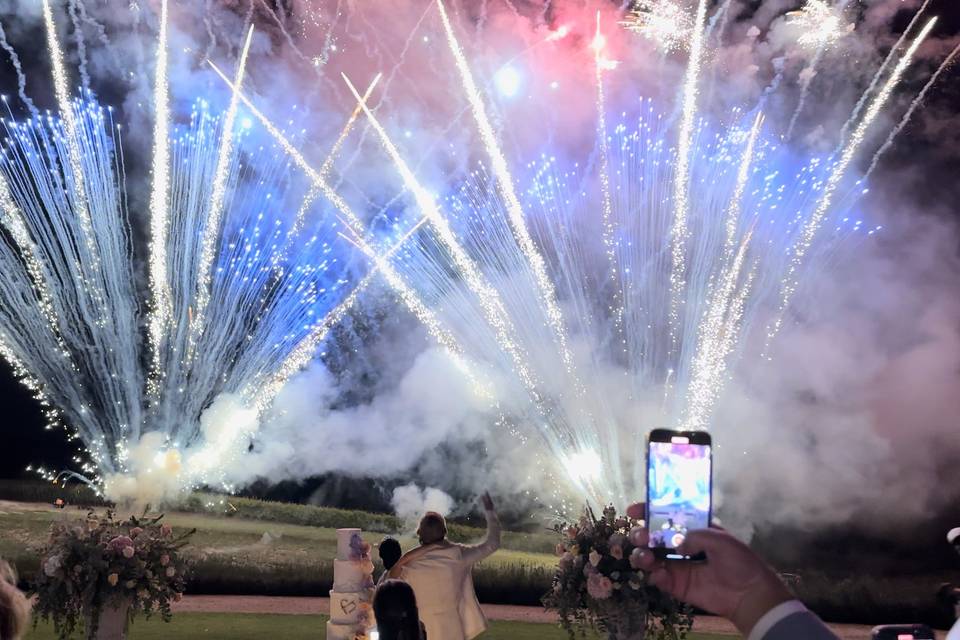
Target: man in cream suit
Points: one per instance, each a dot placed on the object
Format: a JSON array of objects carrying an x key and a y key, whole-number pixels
[{"x": 441, "y": 574}]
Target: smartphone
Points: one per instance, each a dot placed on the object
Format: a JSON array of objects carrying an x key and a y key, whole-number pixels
[
  {"x": 679, "y": 489},
  {"x": 903, "y": 632}
]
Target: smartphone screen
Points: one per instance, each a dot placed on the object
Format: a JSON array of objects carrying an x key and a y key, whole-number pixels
[{"x": 679, "y": 487}]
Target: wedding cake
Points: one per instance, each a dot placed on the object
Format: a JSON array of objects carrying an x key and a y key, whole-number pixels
[{"x": 351, "y": 613}]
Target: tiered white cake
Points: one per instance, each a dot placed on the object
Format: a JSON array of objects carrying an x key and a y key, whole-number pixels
[{"x": 351, "y": 614}]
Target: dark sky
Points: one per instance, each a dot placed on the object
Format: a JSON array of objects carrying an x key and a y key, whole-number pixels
[{"x": 25, "y": 440}]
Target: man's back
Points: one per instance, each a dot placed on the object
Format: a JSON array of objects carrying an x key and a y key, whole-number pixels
[{"x": 437, "y": 578}]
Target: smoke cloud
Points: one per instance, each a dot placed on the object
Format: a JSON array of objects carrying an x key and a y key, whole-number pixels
[{"x": 410, "y": 502}]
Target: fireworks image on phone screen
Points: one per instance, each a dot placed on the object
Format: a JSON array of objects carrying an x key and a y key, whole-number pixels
[{"x": 678, "y": 491}]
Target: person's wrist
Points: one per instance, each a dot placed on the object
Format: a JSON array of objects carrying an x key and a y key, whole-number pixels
[{"x": 757, "y": 601}]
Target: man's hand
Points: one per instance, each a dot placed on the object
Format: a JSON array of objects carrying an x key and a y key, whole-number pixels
[
  {"x": 734, "y": 582},
  {"x": 487, "y": 501}
]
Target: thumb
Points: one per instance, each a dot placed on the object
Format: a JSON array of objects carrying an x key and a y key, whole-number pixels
[{"x": 704, "y": 541}]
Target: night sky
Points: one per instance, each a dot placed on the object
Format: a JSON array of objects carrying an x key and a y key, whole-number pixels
[{"x": 26, "y": 441}]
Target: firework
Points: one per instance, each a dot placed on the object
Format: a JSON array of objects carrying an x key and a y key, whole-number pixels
[
  {"x": 820, "y": 25},
  {"x": 232, "y": 302},
  {"x": 667, "y": 23},
  {"x": 703, "y": 230}
]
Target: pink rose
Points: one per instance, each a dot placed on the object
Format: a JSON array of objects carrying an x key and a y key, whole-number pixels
[
  {"x": 599, "y": 587},
  {"x": 128, "y": 552},
  {"x": 136, "y": 531},
  {"x": 166, "y": 530},
  {"x": 639, "y": 537},
  {"x": 572, "y": 532},
  {"x": 164, "y": 560},
  {"x": 636, "y": 558},
  {"x": 566, "y": 561},
  {"x": 118, "y": 543},
  {"x": 617, "y": 552},
  {"x": 171, "y": 572},
  {"x": 113, "y": 579},
  {"x": 594, "y": 558},
  {"x": 561, "y": 549}
]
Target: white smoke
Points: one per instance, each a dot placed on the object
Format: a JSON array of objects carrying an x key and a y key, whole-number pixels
[{"x": 410, "y": 502}]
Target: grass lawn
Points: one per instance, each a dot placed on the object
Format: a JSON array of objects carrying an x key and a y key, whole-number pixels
[
  {"x": 235, "y": 555},
  {"x": 248, "y": 626}
]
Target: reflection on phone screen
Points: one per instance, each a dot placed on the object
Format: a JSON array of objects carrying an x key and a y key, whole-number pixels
[{"x": 678, "y": 491}]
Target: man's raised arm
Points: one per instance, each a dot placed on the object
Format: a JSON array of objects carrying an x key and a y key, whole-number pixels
[{"x": 476, "y": 553}]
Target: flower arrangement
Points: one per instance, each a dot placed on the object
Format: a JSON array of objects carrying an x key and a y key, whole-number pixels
[
  {"x": 598, "y": 583},
  {"x": 102, "y": 562}
]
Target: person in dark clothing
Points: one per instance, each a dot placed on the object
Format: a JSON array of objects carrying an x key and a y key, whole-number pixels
[
  {"x": 395, "y": 608},
  {"x": 390, "y": 552}
]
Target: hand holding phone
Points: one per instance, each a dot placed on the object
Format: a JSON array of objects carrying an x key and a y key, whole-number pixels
[{"x": 679, "y": 489}]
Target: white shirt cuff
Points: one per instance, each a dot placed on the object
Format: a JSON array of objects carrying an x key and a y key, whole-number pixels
[{"x": 773, "y": 617}]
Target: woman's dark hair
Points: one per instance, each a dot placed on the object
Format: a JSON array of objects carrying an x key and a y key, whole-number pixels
[
  {"x": 389, "y": 552},
  {"x": 395, "y": 608}
]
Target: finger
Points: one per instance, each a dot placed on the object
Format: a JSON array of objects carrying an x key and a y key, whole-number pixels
[
  {"x": 703, "y": 541},
  {"x": 640, "y": 538},
  {"x": 637, "y": 511},
  {"x": 662, "y": 578},
  {"x": 648, "y": 561}
]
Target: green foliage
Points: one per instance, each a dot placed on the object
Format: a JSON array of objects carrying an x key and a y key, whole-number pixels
[
  {"x": 308, "y": 515},
  {"x": 48, "y": 492},
  {"x": 98, "y": 562}
]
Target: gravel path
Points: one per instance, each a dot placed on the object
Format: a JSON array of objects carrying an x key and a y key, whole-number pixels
[{"x": 299, "y": 606}]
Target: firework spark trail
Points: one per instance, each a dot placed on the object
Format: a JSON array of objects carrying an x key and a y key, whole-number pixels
[
  {"x": 13, "y": 221},
  {"x": 501, "y": 170},
  {"x": 879, "y": 74},
  {"x": 736, "y": 201},
  {"x": 162, "y": 306},
  {"x": 917, "y": 102},
  {"x": 720, "y": 320},
  {"x": 804, "y": 242},
  {"x": 52, "y": 319},
  {"x": 606, "y": 201},
  {"x": 77, "y": 346},
  {"x": 305, "y": 351},
  {"x": 404, "y": 292},
  {"x": 681, "y": 193},
  {"x": 717, "y": 338},
  {"x": 21, "y": 76},
  {"x": 494, "y": 311},
  {"x": 73, "y": 146},
  {"x": 327, "y": 165},
  {"x": 218, "y": 194}
]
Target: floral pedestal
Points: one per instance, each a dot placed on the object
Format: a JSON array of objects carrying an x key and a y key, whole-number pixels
[
  {"x": 627, "y": 624},
  {"x": 112, "y": 623},
  {"x": 629, "y": 633}
]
